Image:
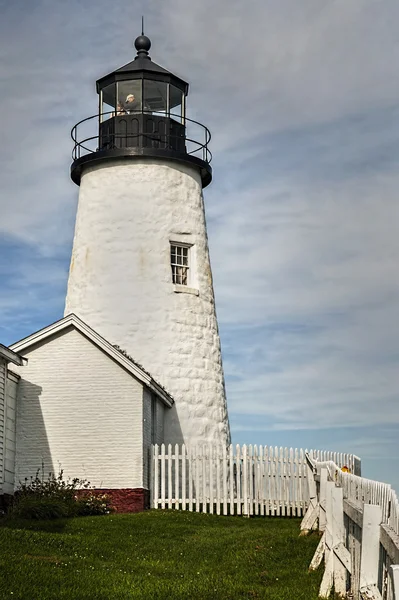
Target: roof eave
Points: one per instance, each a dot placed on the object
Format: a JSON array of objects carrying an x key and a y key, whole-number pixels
[{"x": 11, "y": 356}]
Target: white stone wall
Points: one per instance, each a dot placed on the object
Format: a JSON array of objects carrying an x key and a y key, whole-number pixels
[
  {"x": 10, "y": 433},
  {"x": 120, "y": 284},
  {"x": 80, "y": 411}
]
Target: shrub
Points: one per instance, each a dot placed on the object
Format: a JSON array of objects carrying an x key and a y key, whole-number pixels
[
  {"x": 48, "y": 498},
  {"x": 42, "y": 507},
  {"x": 94, "y": 504}
]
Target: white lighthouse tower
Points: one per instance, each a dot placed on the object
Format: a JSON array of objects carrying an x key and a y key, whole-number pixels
[{"x": 140, "y": 273}]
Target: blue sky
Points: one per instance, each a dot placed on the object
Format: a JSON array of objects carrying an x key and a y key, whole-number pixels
[{"x": 302, "y": 102}]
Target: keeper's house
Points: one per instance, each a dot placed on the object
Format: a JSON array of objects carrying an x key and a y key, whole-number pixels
[{"x": 75, "y": 402}]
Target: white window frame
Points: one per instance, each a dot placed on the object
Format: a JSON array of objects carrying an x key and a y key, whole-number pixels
[{"x": 175, "y": 265}]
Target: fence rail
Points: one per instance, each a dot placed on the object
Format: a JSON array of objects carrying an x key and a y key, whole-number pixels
[
  {"x": 241, "y": 480},
  {"x": 359, "y": 519}
]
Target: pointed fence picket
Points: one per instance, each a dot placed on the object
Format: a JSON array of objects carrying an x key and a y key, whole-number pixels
[{"x": 241, "y": 480}]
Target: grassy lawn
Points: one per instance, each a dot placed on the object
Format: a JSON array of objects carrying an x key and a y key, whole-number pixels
[{"x": 156, "y": 555}]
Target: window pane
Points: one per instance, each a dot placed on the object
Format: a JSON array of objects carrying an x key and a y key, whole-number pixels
[
  {"x": 108, "y": 104},
  {"x": 129, "y": 97},
  {"x": 155, "y": 96},
  {"x": 175, "y": 103}
]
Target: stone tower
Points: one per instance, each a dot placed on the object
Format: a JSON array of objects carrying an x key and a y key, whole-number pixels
[{"x": 140, "y": 272}]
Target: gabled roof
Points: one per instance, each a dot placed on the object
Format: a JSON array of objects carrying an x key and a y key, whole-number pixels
[
  {"x": 11, "y": 356},
  {"x": 113, "y": 352}
]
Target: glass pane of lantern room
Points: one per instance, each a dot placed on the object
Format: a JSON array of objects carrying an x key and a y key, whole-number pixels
[
  {"x": 175, "y": 103},
  {"x": 108, "y": 102},
  {"x": 155, "y": 97},
  {"x": 129, "y": 97}
]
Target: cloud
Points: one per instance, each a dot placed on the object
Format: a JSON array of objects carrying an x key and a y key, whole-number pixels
[{"x": 301, "y": 99}]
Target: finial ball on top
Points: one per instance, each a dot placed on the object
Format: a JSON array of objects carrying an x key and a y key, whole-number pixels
[{"x": 142, "y": 43}]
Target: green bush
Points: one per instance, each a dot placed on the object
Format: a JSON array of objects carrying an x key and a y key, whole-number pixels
[
  {"x": 42, "y": 507},
  {"x": 52, "y": 498}
]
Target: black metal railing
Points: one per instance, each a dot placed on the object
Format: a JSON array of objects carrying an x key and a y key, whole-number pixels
[{"x": 174, "y": 134}]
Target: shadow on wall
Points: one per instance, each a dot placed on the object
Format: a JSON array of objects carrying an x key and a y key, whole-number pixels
[
  {"x": 32, "y": 448},
  {"x": 172, "y": 430}
]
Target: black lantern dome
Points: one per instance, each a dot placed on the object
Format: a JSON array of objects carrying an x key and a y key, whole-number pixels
[{"x": 142, "y": 112}]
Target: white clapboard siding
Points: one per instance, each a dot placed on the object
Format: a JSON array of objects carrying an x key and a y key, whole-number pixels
[
  {"x": 3, "y": 366},
  {"x": 247, "y": 480}
]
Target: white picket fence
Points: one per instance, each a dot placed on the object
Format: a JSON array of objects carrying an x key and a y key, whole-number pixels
[
  {"x": 247, "y": 480},
  {"x": 359, "y": 519}
]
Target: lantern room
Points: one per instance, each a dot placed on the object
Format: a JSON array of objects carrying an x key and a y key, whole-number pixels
[{"x": 142, "y": 112}]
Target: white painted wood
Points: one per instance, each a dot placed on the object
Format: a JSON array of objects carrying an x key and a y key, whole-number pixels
[
  {"x": 170, "y": 493},
  {"x": 395, "y": 581},
  {"x": 177, "y": 477},
  {"x": 238, "y": 478},
  {"x": 245, "y": 511},
  {"x": 328, "y": 578},
  {"x": 204, "y": 479},
  {"x": 190, "y": 479},
  {"x": 218, "y": 481},
  {"x": 183, "y": 480},
  {"x": 211, "y": 480},
  {"x": 224, "y": 455},
  {"x": 197, "y": 478},
  {"x": 231, "y": 478},
  {"x": 155, "y": 481},
  {"x": 319, "y": 554},
  {"x": 322, "y": 499},
  {"x": 370, "y": 545},
  {"x": 163, "y": 474},
  {"x": 338, "y": 540}
]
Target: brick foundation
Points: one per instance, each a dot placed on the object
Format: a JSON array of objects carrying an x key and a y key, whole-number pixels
[{"x": 127, "y": 500}]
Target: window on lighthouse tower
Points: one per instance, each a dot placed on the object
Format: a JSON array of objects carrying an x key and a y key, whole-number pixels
[{"x": 179, "y": 260}]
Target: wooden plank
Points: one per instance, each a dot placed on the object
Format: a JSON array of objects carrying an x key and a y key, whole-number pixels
[
  {"x": 354, "y": 510},
  {"x": 218, "y": 480},
  {"x": 204, "y": 479},
  {"x": 231, "y": 477},
  {"x": 344, "y": 556},
  {"x": 155, "y": 460},
  {"x": 250, "y": 480},
  {"x": 370, "y": 592},
  {"x": 394, "y": 573},
  {"x": 183, "y": 478},
  {"x": 238, "y": 479},
  {"x": 224, "y": 456},
  {"x": 322, "y": 499},
  {"x": 163, "y": 476},
  {"x": 211, "y": 480},
  {"x": 190, "y": 478},
  {"x": 170, "y": 492},
  {"x": 256, "y": 481},
  {"x": 327, "y": 580},
  {"x": 197, "y": 479},
  {"x": 261, "y": 482},
  {"x": 338, "y": 540},
  {"x": 177, "y": 478},
  {"x": 318, "y": 555},
  {"x": 369, "y": 560},
  {"x": 245, "y": 511},
  {"x": 389, "y": 539}
]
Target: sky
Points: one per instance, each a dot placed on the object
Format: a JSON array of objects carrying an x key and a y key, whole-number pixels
[{"x": 302, "y": 102}]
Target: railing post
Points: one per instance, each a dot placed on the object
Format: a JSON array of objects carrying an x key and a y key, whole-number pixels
[{"x": 369, "y": 558}]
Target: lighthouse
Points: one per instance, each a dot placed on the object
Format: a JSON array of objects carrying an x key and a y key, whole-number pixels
[{"x": 140, "y": 272}]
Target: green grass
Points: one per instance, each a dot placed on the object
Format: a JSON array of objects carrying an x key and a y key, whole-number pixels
[{"x": 156, "y": 555}]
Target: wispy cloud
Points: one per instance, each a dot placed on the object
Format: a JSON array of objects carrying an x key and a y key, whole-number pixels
[{"x": 301, "y": 99}]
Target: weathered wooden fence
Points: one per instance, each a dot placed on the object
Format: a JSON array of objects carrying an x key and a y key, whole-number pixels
[
  {"x": 359, "y": 521},
  {"x": 247, "y": 480}
]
